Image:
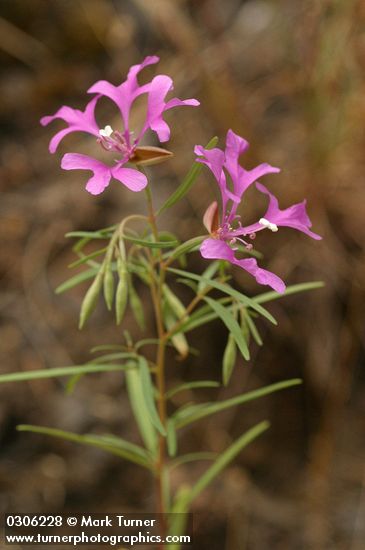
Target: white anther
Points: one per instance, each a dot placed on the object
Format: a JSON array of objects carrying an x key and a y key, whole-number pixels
[
  {"x": 107, "y": 131},
  {"x": 272, "y": 226}
]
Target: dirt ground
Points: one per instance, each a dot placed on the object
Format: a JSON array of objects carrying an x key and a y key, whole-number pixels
[{"x": 288, "y": 75}]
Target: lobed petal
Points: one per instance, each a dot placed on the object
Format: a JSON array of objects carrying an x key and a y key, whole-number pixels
[
  {"x": 101, "y": 172},
  {"x": 160, "y": 86},
  {"x": 133, "y": 179},
  {"x": 77, "y": 120},
  {"x": 217, "y": 249},
  {"x": 125, "y": 94},
  {"x": 295, "y": 216}
]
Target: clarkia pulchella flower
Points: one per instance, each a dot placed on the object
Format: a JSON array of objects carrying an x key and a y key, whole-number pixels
[
  {"x": 120, "y": 142},
  {"x": 225, "y": 229}
]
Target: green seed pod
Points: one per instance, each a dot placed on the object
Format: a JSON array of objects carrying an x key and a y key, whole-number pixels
[
  {"x": 121, "y": 297},
  {"x": 136, "y": 306},
  {"x": 109, "y": 287},
  {"x": 90, "y": 300},
  {"x": 174, "y": 303},
  {"x": 229, "y": 359},
  {"x": 178, "y": 340}
]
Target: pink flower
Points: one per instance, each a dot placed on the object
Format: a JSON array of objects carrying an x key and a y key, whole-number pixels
[
  {"x": 119, "y": 142},
  {"x": 226, "y": 230}
]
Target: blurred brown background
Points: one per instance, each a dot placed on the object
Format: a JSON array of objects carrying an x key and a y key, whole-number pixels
[{"x": 289, "y": 76}]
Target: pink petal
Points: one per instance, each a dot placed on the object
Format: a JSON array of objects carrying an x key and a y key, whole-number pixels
[
  {"x": 160, "y": 86},
  {"x": 102, "y": 173},
  {"x": 295, "y": 216},
  {"x": 218, "y": 249},
  {"x": 124, "y": 94},
  {"x": 176, "y": 102},
  {"x": 78, "y": 121},
  {"x": 133, "y": 179}
]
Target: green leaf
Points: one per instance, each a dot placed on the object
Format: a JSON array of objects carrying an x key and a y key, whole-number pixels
[
  {"x": 191, "y": 457},
  {"x": 151, "y": 244},
  {"x": 111, "y": 444},
  {"x": 72, "y": 382},
  {"x": 191, "y": 385},
  {"x": 232, "y": 325},
  {"x": 293, "y": 289},
  {"x": 208, "y": 273},
  {"x": 179, "y": 515},
  {"x": 171, "y": 438},
  {"x": 77, "y": 279},
  {"x": 227, "y": 290},
  {"x": 185, "y": 247},
  {"x": 59, "y": 372},
  {"x": 87, "y": 258},
  {"x": 226, "y": 457},
  {"x": 229, "y": 359},
  {"x": 192, "y": 413},
  {"x": 251, "y": 326},
  {"x": 148, "y": 392},
  {"x": 103, "y": 234},
  {"x": 139, "y": 408},
  {"x": 187, "y": 182},
  {"x": 113, "y": 356}
]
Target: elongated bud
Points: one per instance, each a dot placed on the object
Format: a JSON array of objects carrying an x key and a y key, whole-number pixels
[
  {"x": 174, "y": 303},
  {"x": 136, "y": 306},
  {"x": 211, "y": 218},
  {"x": 90, "y": 300},
  {"x": 229, "y": 359},
  {"x": 121, "y": 296},
  {"x": 109, "y": 287},
  {"x": 178, "y": 340},
  {"x": 146, "y": 156}
]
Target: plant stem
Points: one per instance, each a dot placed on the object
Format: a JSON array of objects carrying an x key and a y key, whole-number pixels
[{"x": 156, "y": 292}]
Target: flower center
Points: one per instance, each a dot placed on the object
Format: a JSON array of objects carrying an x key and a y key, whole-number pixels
[{"x": 114, "y": 141}]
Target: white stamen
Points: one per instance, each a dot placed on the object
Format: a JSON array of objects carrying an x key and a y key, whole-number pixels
[
  {"x": 107, "y": 131},
  {"x": 272, "y": 226}
]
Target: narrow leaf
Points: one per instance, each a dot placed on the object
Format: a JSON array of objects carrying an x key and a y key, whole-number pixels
[
  {"x": 226, "y": 457},
  {"x": 227, "y": 290},
  {"x": 151, "y": 244},
  {"x": 59, "y": 372},
  {"x": 229, "y": 359},
  {"x": 252, "y": 327},
  {"x": 171, "y": 438},
  {"x": 192, "y": 457},
  {"x": 191, "y": 385},
  {"x": 232, "y": 325},
  {"x": 139, "y": 408},
  {"x": 113, "y": 445},
  {"x": 192, "y": 413},
  {"x": 87, "y": 258},
  {"x": 293, "y": 289},
  {"x": 148, "y": 392},
  {"x": 77, "y": 279}
]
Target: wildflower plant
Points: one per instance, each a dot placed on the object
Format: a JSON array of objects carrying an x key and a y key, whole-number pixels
[{"x": 137, "y": 248}]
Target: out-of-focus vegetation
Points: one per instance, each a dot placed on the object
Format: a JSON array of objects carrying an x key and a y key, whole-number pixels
[{"x": 289, "y": 76}]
